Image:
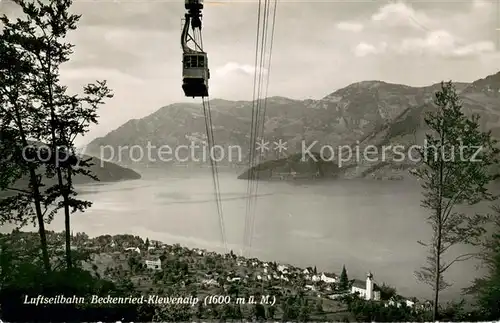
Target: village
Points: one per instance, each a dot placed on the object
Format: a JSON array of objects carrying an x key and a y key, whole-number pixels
[
  {"x": 149, "y": 267},
  {"x": 154, "y": 256}
]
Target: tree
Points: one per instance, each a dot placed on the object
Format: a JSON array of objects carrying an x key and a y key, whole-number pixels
[
  {"x": 487, "y": 289},
  {"x": 387, "y": 292},
  {"x": 456, "y": 174},
  {"x": 41, "y": 33},
  {"x": 343, "y": 280},
  {"x": 146, "y": 244},
  {"x": 20, "y": 124},
  {"x": 304, "y": 311},
  {"x": 271, "y": 312}
]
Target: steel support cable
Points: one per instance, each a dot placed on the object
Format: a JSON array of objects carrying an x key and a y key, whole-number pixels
[
  {"x": 215, "y": 179},
  {"x": 213, "y": 164},
  {"x": 211, "y": 142},
  {"x": 270, "y": 50},
  {"x": 255, "y": 127},
  {"x": 252, "y": 144},
  {"x": 265, "y": 93},
  {"x": 260, "y": 116}
]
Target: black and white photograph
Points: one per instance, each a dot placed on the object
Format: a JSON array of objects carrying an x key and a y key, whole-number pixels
[{"x": 249, "y": 160}]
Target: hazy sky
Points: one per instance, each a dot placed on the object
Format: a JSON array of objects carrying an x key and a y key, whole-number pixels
[{"x": 319, "y": 46}]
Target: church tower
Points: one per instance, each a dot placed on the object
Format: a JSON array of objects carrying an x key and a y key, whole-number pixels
[{"x": 369, "y": 286}]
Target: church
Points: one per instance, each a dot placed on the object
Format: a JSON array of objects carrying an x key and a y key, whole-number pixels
[{"x": 366, "y": 289}]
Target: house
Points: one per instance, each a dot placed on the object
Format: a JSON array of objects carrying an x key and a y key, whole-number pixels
[
  {"x": 212, "y": 282},
  {"x": 153, "y": 264},
  {"x": 283, "y": 269},
  {"x": 310, "y": 287},
  {"x": 409, "y": 303},
  {"x": 328, "y": 278},
  {"x": 366, "y": 289},
  {"x": 63, "y": 247},
  {"x": 136, "y": 249},
  {"x": 315, "y": 278},
  {"x": 337, "y": 295},
  {"x": 400, "y": 301}
]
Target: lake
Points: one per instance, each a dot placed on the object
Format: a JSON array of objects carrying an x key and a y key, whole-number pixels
[{"x": 365, "y": 224}]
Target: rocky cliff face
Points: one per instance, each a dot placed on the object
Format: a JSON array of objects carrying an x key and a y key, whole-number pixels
[{"x": 371, "y": 113}]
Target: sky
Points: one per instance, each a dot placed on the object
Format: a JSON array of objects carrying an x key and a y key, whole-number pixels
[{"x": 318, "y": 47}]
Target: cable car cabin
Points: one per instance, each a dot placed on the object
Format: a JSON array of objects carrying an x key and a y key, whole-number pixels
[
  {"x": 195, "y": 74},
  {"x": 193, "y": 4}
]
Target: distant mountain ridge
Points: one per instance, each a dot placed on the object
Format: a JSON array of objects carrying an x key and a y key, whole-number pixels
[
  {"x": 364, "y": 113},
  {"x": 105, "y": 172}
]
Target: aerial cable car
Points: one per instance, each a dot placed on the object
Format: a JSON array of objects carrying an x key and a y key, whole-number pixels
[{"x": 195, "y": 72}]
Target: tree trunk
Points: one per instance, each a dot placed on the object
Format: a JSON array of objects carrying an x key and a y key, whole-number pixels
[
  {"x": 437, "y": 281},
  {"x": 62, "y": 187},
  {"x": 64, "y": 192},
  {"x": 439, "y": 236},
  {"x": 67, "y": 227},
  {"x": 41, "y": 224},
  {"x": 37, "y": 197},
  {"x": 69, "y": 183},
  {"x": 439, "y": 233}
]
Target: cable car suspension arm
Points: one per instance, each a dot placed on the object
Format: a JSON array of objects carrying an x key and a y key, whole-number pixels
[{"x": 186, "y": 37}]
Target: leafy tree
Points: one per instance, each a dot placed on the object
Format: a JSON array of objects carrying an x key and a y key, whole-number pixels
[
  {"x": 260, "y": 312},
  {"x": 146, "y": 244},
  {"x": 319, "y": 307},
  {"x": 40, "y": 110},
  {"x": 200, "y": 310},
  {"x": 28, "y": 278},
  {"x": 304, "y": 311},
  {"x": 487, "y": 289},
  {"x": 343, "y": 280},
  {"x": 271, "y": 312},
  {"x": 387, "y": 292},
  {"x": 43, "y": 30},
  {"x": 457, "y": 173},
  {"x": 20, "y": 122},
  {"x": 172, "y": 313}
]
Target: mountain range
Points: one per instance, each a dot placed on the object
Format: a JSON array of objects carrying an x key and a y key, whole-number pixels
[{"x": 368, "y": 113}]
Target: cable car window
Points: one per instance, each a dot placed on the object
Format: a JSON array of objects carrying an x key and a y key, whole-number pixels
[
  {"x": 188, "y": 61},
  {"x": 201, "y": 61}
]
